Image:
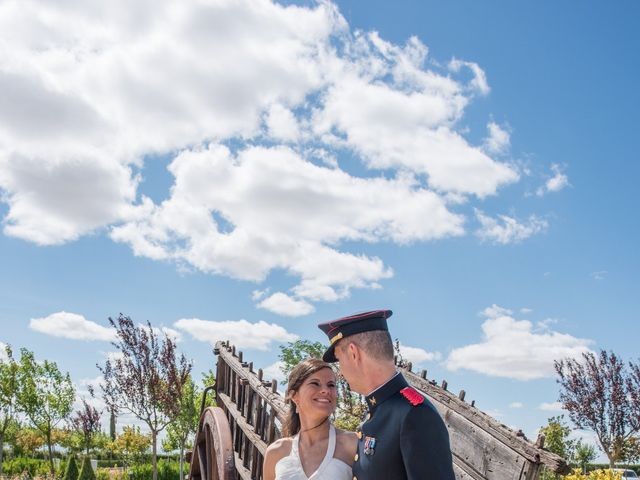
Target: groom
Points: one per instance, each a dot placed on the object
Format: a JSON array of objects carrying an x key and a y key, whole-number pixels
[{"x": 402, "y": 437}]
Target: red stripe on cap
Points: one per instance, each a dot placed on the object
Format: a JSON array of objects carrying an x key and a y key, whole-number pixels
[{"x": 333, "y": 327}]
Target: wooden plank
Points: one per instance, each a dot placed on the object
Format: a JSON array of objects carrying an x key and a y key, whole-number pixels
[
  {"x": 246, "y": 428},
  {"x": 243, "y": 473},
  {"x": 476, "y": 421},
  {"x": 476, "y": 450},
  {"x": 462, "y": 474},
  {"x": 273, "y": 398}
]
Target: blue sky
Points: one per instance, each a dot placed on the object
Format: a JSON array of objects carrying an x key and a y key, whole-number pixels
[{"x": 245, "y": 170}]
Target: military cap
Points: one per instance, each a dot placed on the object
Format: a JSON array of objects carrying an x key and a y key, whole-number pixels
[{"x": 345, "y": 326}]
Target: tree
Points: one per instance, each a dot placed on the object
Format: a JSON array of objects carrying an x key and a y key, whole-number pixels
[
  {"x": 29, "y": 440},
  {"x": 71, "y": 472},
  {"x": 8, "y": 401},
  {"x": 146, "y": 380},
  {"x": 602, "y": 395},
  {"x": 585, "y": 453},
  {"x": 87, "y": 422},
  {"x": 557, "y": 441},
  {"x": 86, "y": 471},
  {"x": 630, "y": 450},
  {"x": 294, "y": 352},
  {"x": 131, "y": 445},
  {"x": 185, "y": 424},
  {"x": 112, "y": 424},
  {"x": 350, "y": 407},
  {"x": 45, "y": 395}
]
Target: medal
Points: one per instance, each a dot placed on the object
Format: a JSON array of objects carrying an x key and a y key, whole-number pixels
[{"x": 369, "y": 445}]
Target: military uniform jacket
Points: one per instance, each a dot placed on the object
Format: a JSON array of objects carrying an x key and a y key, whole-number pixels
[{"x": 402, "y": 437}]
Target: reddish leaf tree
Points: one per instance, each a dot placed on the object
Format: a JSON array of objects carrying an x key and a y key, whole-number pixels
[
  {"x": 146, "y": 379},
  {"x": 603, "y": 395},
  {"x": 87, "y": 422}
]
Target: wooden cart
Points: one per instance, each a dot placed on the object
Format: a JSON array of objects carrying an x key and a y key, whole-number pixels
[{"x": 232, "y": 437}]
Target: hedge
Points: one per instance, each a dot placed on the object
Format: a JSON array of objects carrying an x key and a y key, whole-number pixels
[{"x": 17, "y": 465}]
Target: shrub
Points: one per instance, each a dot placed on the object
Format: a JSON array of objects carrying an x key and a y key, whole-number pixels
[
  {"x": 15, "y": 466},
  {"x": 594, "y": 475},
  {"x": 86, "y": 472},
  {"x": 71, "y": 472},
  {"x": 167, "y": 470}
]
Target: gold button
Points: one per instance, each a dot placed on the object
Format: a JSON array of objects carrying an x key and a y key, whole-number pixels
[
  {"x": 359, "y": 435},
  {"x": 356, "y": 457}
]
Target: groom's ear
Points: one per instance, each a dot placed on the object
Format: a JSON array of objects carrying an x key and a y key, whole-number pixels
[{"x": 354, "y": 351}]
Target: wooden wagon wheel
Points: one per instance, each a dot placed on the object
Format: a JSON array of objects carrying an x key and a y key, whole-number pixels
[{"x": 213, "y": 457}]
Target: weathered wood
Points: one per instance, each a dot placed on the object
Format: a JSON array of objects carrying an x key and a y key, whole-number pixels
[
  {"x": 243, "y": 472},
  {"x": 248, "y": 430},
  {"x": 274, "y": 399},
  {"x": 473, "y": 421}
]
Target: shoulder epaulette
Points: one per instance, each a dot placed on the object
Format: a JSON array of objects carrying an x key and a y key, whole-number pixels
[{"x": 411, "y": 394}]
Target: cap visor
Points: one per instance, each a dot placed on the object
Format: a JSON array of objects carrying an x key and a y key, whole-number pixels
[{"x": 330, "y": 356}]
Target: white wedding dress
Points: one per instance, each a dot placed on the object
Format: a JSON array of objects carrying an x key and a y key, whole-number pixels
[{"x": 290, "y": 467}]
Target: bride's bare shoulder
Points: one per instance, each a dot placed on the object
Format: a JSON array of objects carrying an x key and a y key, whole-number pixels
[
  {"x": 280, "y": 448},
  {"x": 275, "y": 452}
]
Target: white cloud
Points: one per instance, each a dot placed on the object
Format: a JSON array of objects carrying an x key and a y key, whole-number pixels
[
  {"x": 283, "y": 304},
  {"x": 418, "y": 356},
  {"x": 504, "y": 229},
  {"x": 287, "y": 213},
  {"x": 282, "y": 124},
  {"x": 113, "y": 355},
  {"x": 525, "y": 310},
  {"x": 479, "y": 81},
  {"x": 555, "y": 183},
  {"x": 550, "y": 406},
  {"x": 171, "y": 334},
  {"x": 599, "y": 275},
  {"x": 511, "y": 348},
  {"x": 498, "y": 140},
  {"x": 73, "y": 326},
  {"x": 92, "y": 89},
  {"x": 241, "y": 333},
  {"x": 274, "y": 371},
  {"x": 516, "y": 405}
]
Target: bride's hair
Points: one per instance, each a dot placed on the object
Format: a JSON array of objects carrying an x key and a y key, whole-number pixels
[{"x": 298, "y": 375}]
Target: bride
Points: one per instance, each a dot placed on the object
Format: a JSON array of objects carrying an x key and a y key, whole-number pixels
[{"x": 312, "y": 448}]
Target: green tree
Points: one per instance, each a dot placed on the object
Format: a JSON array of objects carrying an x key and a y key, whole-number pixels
[
  {"x": 102, "y": 443},
  {"x": 294, "y": 352},
  {"x": 45, "y": 396},
  {"x": 630, "y": 451},
  {"x": 585, "y": 453},
  {"x": 28, "y": 440},
  {"x": 185, "y": 424},
  {"x": 146, "y": 380},
  {"x": 131, "y": 445},
  {"x": 9, "y": 369},
  {"x": 86, "y": 471},
  {"x": 557, "y": 440},
  {"x": 71, "y": 472}
]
